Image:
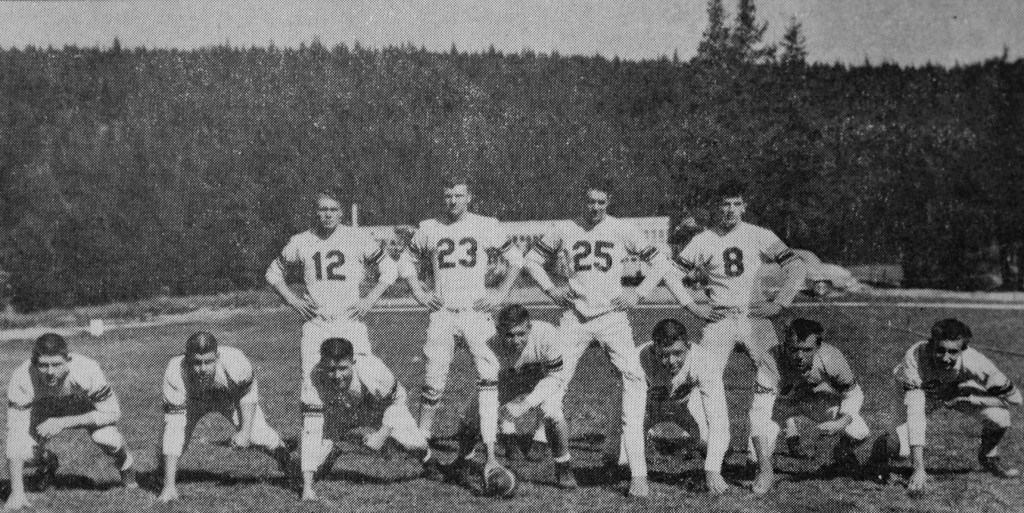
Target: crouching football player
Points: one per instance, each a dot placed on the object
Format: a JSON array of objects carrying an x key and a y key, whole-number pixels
[
  {"x": 944, "y": 372},
  {"x": 356, "y": 393},
  {"x": 212, "y": 378},
  {"x": 817, "y": 383},
  {"x": 530, "y": 376},
  {"x": 669, "y": 361},
  {"x": 53, "y": 391}
]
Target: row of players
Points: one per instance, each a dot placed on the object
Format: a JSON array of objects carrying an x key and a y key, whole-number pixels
[
  {"x": 57, "y": 390},
  {"x": 591, "y": 250}
]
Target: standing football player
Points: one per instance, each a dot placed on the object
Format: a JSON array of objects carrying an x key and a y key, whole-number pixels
[
  {"x": 670, "y": 363},
  {"x": 528, "y": 350},
  {"x": 457, "y": 246},
  {"x": 945, "y": 372},
  {"x": 334, "y": 258},
  {"x": 729, "y": 254},
  {"x": 212, "y": 378},
  {"x": 53, "y": 391},
  {"x": 593, "y": 247},
  {"x": 357, "y": 393},
  {"x": 817, "y": 383}
]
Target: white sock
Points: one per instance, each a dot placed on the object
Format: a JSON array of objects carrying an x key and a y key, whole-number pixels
[{"x": 488, "y": 401}]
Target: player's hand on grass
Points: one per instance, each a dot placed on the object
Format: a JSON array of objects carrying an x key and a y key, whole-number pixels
[
  {"x": 766, "y": 310},
  {"x": 18, "y": 501},
  {"x": 305, "y": 307},
  {"x": 626, "y": 301},
  {"x": 706, "y": 312},
  {"x": 168, "y": 494},
  {"x": 50, "y": 427},
  {"x": 918, "y": 480}
]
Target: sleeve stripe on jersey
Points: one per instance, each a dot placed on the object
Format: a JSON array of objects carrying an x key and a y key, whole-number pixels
[
  {"x": 310, "y": 409},
  {"x": 842, "y": 388},
  {"x": 785, "y": 256},
  {"x": 376, "y": 256},
  {"x": 553, "y": 365},
  {"x": 16, "y": 406},
  {"x": 101, "y": 395},
  {"x": 647, "y": 254},
  {"x": 543, "y": 249},
  {"x": 509, "y": 244},
  {"x": 172, "y": 409},
  {"x": 244, "y": 386},
  {"x": 1000, "y": 391},
  {"x": 684, "y": 264},
  {"x": 393, "y": 394},
  {"x": 417, "y": 251},
  {"x": 907, "y": 387}
]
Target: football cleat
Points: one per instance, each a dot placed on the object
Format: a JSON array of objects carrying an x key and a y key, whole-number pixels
[{"x": 996, "y": 468}]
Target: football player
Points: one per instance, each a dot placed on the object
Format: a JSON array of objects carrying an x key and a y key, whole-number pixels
[
  {"x": 945, "y": 372},
  {"x": 670, "y": 362},
  {"x": 212, "y": 378},
  {"x": 53, "y": 391},
  {"x": 528, "y": 350},
  {"x": 357, "y": 392},
  {"x": 334, "y": 258},
  {"x": 457, "y": 246},
  {"x": 592, "y": 249},
  {"x": 729, "y": 254},
  {"x": 817, "y": 383}
]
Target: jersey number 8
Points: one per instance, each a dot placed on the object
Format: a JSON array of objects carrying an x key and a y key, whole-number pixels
[{"x": 733, "y": 260}]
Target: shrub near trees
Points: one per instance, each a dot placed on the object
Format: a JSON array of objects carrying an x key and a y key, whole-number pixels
[{"x": 132, "y": 172}]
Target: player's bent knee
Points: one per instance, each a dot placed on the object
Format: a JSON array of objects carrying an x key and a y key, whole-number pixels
[
  {"x": 108, "y": 438},
  {"x": 996, "y": 418}
]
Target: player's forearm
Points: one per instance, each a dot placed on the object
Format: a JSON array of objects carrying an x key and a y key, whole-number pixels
[
  {"x": 376, "y": 292},
  {"x": 510, "y": 279},
  {"x": 18, "y": 437},
  {"x": 990, "y": 401},
  {"x": 658, "y": 270},
  {"x": 247, "y": 411},
  {"x": 917, "y": 456},
  {"x": 674, "y": 284},
  {"x": 96, "y": 418},
  {"x": 852, "y": 401},
  {"x": 284, "y": 291},
  {"x": 170, "y": 471},
  {"x": 539, "y": 275},
  {"x": 917, "y": 422},
  {"x": 795, "y": 273},
  {"x": 544, "y": 389}
]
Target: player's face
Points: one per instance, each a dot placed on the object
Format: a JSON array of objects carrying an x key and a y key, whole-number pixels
[
  {"x": 339, "y": 372},
  {"x": 456, "y": 199},
  {"x": 203, "y": 366},
  {"x": 516, "y": 336},
  {"x": 597, "y": 205},
  {"x": 328, "y": 213},
  {"x": 672, "y": 356},
  {"x": 52, "y": 368},
  {"x": 731, "y": 210},
  {"x": 801, "y": 352},
  {"x": 947, "y": 352}
]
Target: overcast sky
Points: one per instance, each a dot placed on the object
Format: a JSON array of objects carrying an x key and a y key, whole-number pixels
[{"x": 904, "y": 31}]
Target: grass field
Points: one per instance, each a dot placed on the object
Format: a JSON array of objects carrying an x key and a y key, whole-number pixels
[{"x": 216, "y": 478}]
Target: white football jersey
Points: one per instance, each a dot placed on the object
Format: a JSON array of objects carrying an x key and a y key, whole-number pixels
[
  {"x": 661, "y": 382},
  {"x": 731, "y": 261},
  {"x": 373, "y": 390},
  {"x": 233, "y": 381},
  {"x": 829, "y": 373},
  {"x": 458, "y": 253},
  {"x": 541, "y": 353},
  {"x": 593, "y": 259},
  {"x": 333, "y": 267},
  {"x": 84, "y": 388}
]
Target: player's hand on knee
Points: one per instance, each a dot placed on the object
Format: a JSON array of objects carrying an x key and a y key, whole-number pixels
[
  {"x": 305, "y": 307},
  {"x": 918, "y": 481},
  {"x": 360, "y": 309},
  {"x": 50, "y": 427},
  {"x": 561, "y": 296},
  {"x": 168, "y": 494},
  {"x": 15, "y": 502},
  {"x": 240, "y": 440}
]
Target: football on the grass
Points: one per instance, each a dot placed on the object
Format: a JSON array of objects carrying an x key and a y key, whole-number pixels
[{"x": 500, "y": 482}]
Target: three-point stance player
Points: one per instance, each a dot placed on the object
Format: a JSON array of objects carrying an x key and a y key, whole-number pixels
[
  {"x": 944, "y": 371},
  {"x": 53, "y": 391},
  {"x": 531, "y": 361},
  {"x": 593, "y": 247},
  {"x": 334, "y": 258},
  {"x": 457, "y": 246},
  {"x": 817, "y": 383},
  {"x": 730, "y": 253},
  {"x": 357, "y": 393},
  {"x": 212, "y": 378}
]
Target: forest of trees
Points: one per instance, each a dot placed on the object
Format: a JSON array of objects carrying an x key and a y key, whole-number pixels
[{"x": 126, "y": 173}]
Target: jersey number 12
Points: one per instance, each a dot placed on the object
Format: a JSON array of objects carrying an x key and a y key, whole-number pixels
[{"x": 335, "y": 260}]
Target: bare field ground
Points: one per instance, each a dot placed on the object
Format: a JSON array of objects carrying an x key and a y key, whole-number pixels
[{"x": 216, "y": 478}]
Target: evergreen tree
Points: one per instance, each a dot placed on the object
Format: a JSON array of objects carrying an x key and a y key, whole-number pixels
[
  {"x": 794, "y": 45},
  {"x": 714, "y": 43}
]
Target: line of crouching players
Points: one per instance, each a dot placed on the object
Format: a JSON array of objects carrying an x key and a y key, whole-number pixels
[{"x": 524, "y": 364}]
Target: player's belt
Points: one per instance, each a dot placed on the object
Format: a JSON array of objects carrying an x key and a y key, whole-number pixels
[{"x": 731, "y": 311}]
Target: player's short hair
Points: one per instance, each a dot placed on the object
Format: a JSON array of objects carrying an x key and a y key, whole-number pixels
[
  {"x": 950, "y": 329},
  {"x": 452, "y": 182},
  {"x": 510, "y": 316},
  {"x": 802, "y": 328},
  {"x": 49, "y": 344},
  {"x": 668, "y": 332},
  {"x": 201, "y": 342},
  {"x": 336, "y": 348},
  {"x": 731, "y": 188},
  {"x": 599, "y": 184},
  {"x": 328, "y": 193}
]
